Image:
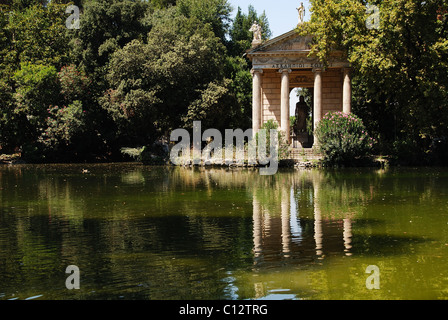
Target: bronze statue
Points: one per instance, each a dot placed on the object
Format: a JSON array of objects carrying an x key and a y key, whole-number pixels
[{"x": 302, "y": 111}]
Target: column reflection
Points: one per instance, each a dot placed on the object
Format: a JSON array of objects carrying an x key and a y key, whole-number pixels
[
  {"x": 347, "y": 236},
  {"x": 258, "y": 229},
  {"x": 303, "y": 216},
  {"x": 318, "y": 235},
  {"x": 286, "y": 226}
]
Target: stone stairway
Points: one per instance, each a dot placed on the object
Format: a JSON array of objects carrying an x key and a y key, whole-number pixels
[{"x": 304, "y": 155}]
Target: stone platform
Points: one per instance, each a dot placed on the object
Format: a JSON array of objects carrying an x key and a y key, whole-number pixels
[{"x": 305, "y": 154}]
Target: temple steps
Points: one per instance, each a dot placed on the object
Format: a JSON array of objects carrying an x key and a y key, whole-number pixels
[{"x": 305, "y": 154}]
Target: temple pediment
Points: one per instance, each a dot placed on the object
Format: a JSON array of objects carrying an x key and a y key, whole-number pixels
[
  {"x": 290, "y": 41},
  {"x": 291, "y": 51}
]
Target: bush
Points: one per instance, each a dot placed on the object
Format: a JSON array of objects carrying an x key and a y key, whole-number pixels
[
  {"x": 283, "y": 146},
  {"x": 343, "y": 138},
  {"x": 156, "y": 154},
  {"x": 36, "y": 87},
  {"x": 63, "y": 124},
  {"x": 74, "y": 83}
]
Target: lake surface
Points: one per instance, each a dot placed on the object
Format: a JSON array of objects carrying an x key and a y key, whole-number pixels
[{"x": 139, "y": 232}]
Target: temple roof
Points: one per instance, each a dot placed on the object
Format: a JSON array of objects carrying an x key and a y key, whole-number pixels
[
  {"x": 287, "y": 42},
  {"x": 290, "y": 50}
]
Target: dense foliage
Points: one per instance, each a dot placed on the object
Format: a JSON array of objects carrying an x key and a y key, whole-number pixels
[
  {"x": 343, "y": 138},
  {"x": 136, "y": 69},
  {"x": 400, "y": 70},
  {"x": 132, "y": 72},
  {"x": 282, "y": 147}
]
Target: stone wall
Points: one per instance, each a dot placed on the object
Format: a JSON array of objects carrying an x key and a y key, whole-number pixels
[
  {"x": 332, "y": 82},
  {"x": 271, "y": 90}
]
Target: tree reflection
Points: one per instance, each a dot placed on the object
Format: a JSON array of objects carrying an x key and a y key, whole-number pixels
[{"x": 164, "y": 232}]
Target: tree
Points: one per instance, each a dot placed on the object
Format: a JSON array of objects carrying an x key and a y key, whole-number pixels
[
  {"x": 174, "y": 78},
  {"x": 33, "y": 45},
  {"x": 135, "y": 70},
  {"x": 215, "y": 13},
  {"x": 400, "y": 69},
  {"x": 238, "y": 70},
  {"x": 37, "y": 88},
  {"x": 36, "y": 34},
  {"x": 22, "y": 4},
  {"x": 160, "y": 4},
  {"x": 106, "y": 27}
]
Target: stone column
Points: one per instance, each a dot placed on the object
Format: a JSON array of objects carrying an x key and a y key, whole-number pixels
[
  {"x": 347, "y": 92},
  {"x": 317, "y": 96},
  {"x": 284, "y": 104},
  {"x": 256, "y": 100}
]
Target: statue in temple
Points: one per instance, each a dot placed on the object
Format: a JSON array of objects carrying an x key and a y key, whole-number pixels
[
  {"x": 302, "y": 111},
  {"x": 301, "y": 10}
]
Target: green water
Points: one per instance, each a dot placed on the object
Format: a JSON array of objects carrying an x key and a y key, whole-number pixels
[{"x": 138, "y": 232}]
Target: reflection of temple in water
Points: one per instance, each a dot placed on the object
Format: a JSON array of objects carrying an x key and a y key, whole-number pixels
[{"x": 295, "y": 226}]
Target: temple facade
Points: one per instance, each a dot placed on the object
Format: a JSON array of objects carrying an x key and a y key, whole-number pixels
[{"x": 282, "y": 64}]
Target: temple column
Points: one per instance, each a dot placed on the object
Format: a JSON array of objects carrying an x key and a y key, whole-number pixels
[
  {"x": 347, "y": 92},
  {"x": 284, "y": 103},
  {"x": 317, "y": 96},
  {"x": 256, "y": 100}
]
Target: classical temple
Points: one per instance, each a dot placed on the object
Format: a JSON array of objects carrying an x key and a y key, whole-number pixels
[{"x": 282, "y": 64}]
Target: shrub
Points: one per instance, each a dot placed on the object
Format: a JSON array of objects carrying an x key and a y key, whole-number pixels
[
  {"x": 343, "y": 138},
  {"x": 63, "y": 124},
  {"x": 134, "y": 153},
  {"x": 36, "y": 88},
  {"x": 74, "y": 83},
  {"x": 156, "y": 154},
  {"x": 283, "y": 146}
]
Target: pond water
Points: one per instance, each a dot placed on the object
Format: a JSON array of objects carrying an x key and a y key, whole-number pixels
[{"x": 139, "y": 232}]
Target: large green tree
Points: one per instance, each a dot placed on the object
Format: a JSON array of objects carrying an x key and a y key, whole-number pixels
[
  {"x": 133, "y": 71},
  {"x": 400, "y": 68},
  {"x": 105, "y": 27},
  {"x": 169, "y": 81},
  {"x": 215, "y": 13},
  {"x": 32, "y": 39}
]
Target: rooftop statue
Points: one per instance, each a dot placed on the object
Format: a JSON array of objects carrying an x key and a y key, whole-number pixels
[
  {"x": 302, "y": 11},
  {"x": 256, "y": 29}
]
